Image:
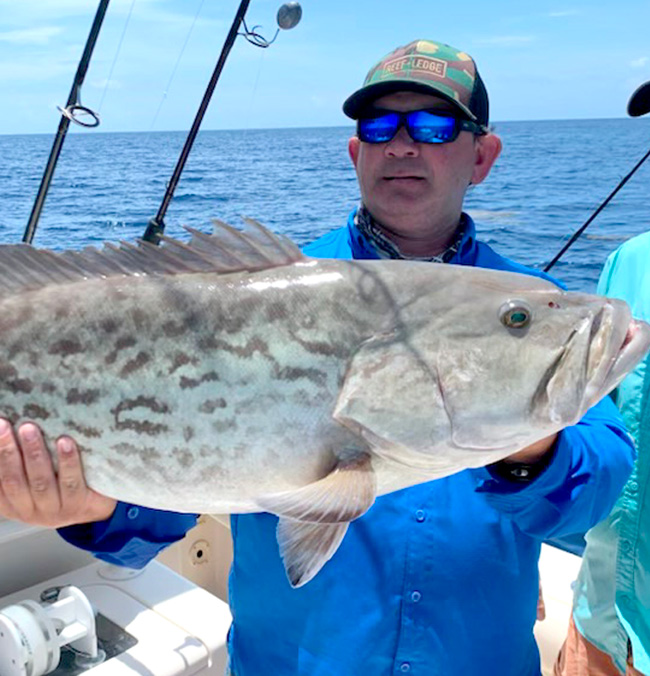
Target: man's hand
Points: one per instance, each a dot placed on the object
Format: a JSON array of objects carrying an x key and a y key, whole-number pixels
[{"x": 32, "y": 492}]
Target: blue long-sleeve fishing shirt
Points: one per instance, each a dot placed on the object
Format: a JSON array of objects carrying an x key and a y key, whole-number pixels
[{"x": 436, "y": 579}]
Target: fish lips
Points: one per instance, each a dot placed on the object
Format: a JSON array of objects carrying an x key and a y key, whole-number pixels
[
  {"x": 636, "y": 344},
  {"x": 598, "y": 354}
]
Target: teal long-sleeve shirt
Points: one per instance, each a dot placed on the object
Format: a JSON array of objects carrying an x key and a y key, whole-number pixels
[
  {"x": 440, "y": 578},
  {"x": 612, "y": 596}
]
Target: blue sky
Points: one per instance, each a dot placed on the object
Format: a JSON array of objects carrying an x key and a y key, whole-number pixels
[{"x": 540, "y": 60}]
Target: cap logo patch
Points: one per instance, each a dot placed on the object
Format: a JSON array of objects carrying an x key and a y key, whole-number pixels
[{"x": 423, "y": 64}]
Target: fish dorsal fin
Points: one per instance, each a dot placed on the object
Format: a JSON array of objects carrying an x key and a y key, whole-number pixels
[{"x": 225, "y": 250}]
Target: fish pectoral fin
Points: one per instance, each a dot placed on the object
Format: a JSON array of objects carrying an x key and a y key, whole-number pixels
[
  {"x": 391, "y": 397},
  {"x": 306, "y": 547},
  {"x": 346, "y": 493}
]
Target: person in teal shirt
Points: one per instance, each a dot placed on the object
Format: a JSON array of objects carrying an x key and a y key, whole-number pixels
[{"x": 610, "y": 629}]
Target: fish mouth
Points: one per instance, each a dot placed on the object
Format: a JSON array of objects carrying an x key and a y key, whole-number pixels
[
  {"x": 618, "y": 343},
  {"x": 596, "y": 356},
  {"x": 635, "y": 344}
]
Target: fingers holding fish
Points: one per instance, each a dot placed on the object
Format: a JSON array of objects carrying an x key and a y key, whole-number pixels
[
  {"x": 40, "y": 475},
  {"x": 16, "y": 500},
  {"x": 79, "y": 503},
  {"x": 31, "y": 490}
]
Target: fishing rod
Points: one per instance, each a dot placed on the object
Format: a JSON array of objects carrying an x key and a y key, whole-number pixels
[
  {"x": 73, "y": 112},
  {"x": 288, "y": 17},
  {"x": 638, "y": 105}
]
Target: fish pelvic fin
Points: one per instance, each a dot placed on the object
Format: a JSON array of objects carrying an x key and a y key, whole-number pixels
[
  {"x": 314, "y": 519},
  {"x": 306, "y": 547},
  {"x": 346, "y": 493},
  {"x": 225, "y": 250}
]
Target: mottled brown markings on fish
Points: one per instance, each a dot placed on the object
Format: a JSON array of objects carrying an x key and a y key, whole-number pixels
[
  {"x": 277, "y": 311},
  {"x": 19, "y": 385},
  {"x": 48, "y": 388},
  {"x": 10, "y": 413},
  {"x": 147, "y": 453},
  {"x": 7, "y": 371},
  {"x": 322, "y": 348},
  {"x": 254, "y": 345},
  {"x": 66, "y": 347},
  {"x": 293, "y": 373},
  {"x": 211, "y": 405},
  {"x": 77, "y": 396},
  {"x": 188, "y": 433},
  {"x": 140, "y": 319},
  {"x": 84, "y": 430},
  {"x": 143, "y": 427},
  {"x": 109, "y": 325},
  {"x": 35, "y": 412},
  {"x": 190, "y": 383},
  {"x": 173, "y": 329},
  {"x": 140, "y": 402},
  {"x": 122, "y": 343},
  {"x": 117, "y": 465},
  {"x": 192, "y": 321},
  {"x": 221, "y": 426},
  {"x": 125, "y": 341},
  {"x": 182, "y": 359},
  {"x": 133, "y": 365},
  {"x": 140, "y": 426},
  {"x": 184, "y": 458},
  {"x": 303, "y": 397}
]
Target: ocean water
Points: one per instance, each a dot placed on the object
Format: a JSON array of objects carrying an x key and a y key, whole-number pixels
[{"x": 550, "y": 177}]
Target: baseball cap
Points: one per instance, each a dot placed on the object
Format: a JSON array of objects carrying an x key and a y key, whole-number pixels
[{"x": 430, "y": 68}]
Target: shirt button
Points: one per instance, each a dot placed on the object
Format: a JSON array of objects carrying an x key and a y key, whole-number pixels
[
  {"x": 420, "y": 515},
  {"x": 634, "y": 486},
  {"x": 133, "y": 513},
  {"x": 416, "y": 596},
  {"x": 626, "y": 546},
  {"x": 405, "y": 667}
]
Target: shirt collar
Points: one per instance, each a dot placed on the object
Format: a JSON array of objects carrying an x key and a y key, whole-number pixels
[{"x": 466, "y": 254}]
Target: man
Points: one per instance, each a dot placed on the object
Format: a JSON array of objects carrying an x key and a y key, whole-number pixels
[
  {"x": 440, "y": 578},
  {"x": 610, "y": 629}
]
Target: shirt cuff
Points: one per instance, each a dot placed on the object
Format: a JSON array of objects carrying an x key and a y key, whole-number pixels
[{"x": 553, "y": 473}]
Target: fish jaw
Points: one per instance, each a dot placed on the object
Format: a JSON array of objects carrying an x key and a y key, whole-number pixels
[
  {"x": 598, "y": 354},
  {"x": 634, "y": 346}
]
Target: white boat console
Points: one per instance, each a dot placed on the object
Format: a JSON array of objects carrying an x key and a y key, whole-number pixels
[{"x": 98, "y": 619}]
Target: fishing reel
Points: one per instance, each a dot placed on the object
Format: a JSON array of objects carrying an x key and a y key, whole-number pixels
[{"x": 32, "y": 635}]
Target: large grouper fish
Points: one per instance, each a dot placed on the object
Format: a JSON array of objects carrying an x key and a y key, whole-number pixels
[{"x": 233, "y": 374}]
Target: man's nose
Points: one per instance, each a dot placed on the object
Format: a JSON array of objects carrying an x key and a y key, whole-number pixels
[{"x": 402, "y": 145}]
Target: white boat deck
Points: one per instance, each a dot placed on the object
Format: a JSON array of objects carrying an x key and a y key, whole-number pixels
[{"x": 32, "y": 556}]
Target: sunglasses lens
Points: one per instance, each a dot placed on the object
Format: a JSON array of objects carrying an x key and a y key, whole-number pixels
[
  {"x": 378, "y": 129},
  {"x": 426, "y": 127}
]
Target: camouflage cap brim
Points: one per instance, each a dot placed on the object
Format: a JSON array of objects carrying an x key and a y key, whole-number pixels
[{"x": 364, "y": 97}]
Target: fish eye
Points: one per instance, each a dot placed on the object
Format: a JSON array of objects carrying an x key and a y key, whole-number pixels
[{"x": 515, "y": 314}]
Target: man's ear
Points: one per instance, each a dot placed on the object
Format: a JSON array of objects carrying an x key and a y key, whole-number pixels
[
  {"x": 487, "y": 148},
  {"x": 354, "y": 146}
]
